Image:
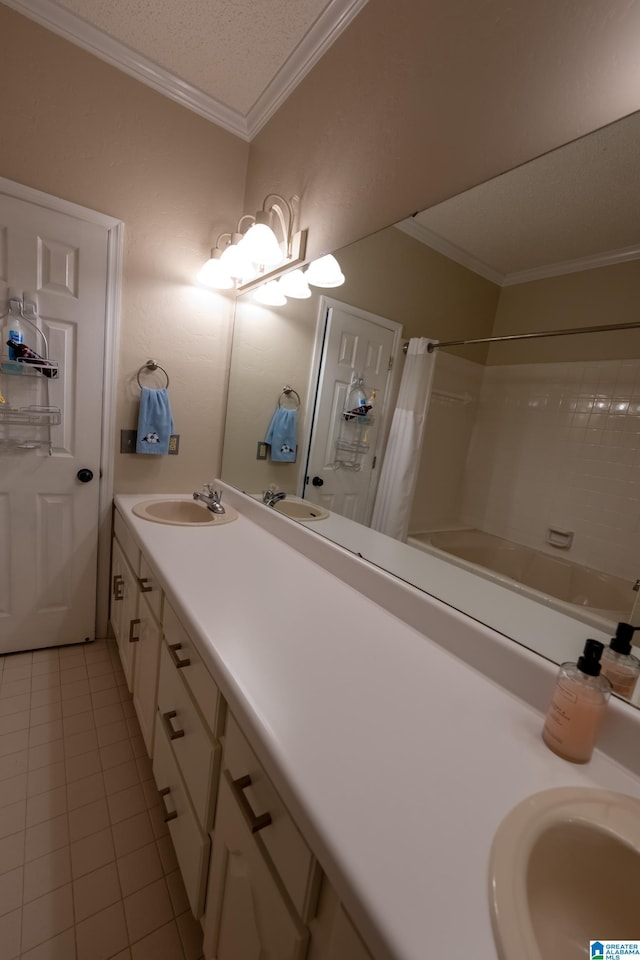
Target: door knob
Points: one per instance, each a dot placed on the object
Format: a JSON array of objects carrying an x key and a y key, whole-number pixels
[
  {"x": 317, "y": 481},
  {"x": 84, "y": 475}
]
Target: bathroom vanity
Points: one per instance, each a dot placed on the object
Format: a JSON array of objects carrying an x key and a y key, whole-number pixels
[{"x": 335, "y": 750}]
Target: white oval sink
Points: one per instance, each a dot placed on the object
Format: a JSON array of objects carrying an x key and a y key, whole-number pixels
[
  {"x": 182, "y": 513},
  {"x": 299, "y": 509},
  {"x": 565, "y": 869}
]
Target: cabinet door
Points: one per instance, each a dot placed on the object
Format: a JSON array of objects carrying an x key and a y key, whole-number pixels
[
  {"x": 333, "y": 936},
  {"x": 145, "y": 678},
  {"x": 248, "y": 915},
  {"x": 190, "y": 843},
  {"x": 124, "y": 606}
]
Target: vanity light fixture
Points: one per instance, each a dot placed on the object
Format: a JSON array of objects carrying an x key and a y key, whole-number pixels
[{"x": 253, "y": 253}]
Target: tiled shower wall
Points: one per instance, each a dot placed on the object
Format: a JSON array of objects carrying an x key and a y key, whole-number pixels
[{"x": 552, "y": 445}]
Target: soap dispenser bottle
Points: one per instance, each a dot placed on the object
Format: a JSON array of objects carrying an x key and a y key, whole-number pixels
[
  {"x": 577, "y": 706},
  {"x": 619, "y": 665}
]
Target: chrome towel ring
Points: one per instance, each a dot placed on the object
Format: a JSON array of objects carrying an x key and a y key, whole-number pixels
[
  {"x": 151, "y": 365},
  {"x": 286, "y": 392}
]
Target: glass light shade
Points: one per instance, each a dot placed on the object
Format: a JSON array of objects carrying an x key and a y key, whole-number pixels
[
  {"x": 270, "y": 294},
  {"x": 295, "y": 285},
  {"x": 236, "y": 263},
  {"x": 213, "y": 274},
  {"x": 325, "y": 272},
  {"x": 260, "y": 246}
]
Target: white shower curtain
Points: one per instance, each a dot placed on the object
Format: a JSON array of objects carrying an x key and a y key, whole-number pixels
[{"x": 402, "y": 456}]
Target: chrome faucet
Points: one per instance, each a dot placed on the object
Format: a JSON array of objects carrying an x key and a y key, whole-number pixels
[
  {"x": 273, "y": 496},
  {"x": 211, "y": 498}
]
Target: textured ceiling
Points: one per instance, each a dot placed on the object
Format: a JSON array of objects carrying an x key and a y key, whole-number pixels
[
  {"x": 580, "y": 201},
  {"x": 229, "y": 49},
  {"x": 232, "y": 61}
]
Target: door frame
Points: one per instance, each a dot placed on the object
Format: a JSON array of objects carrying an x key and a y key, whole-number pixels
[
  {"x": 326, "y": 304},
  {"x": 113, "y": 295}
]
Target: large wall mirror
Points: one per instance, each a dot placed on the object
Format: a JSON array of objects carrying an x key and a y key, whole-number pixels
[{"x": 526, "y": 512}]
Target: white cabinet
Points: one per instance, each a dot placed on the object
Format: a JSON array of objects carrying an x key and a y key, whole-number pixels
[
  {"x": 249, "y": 874},
  {"x": 333, "y": 935},
  {"x": 145, "y": 675},
  {"x": 186, "y": 757},
  {"x": 263, "y": 878},
  {"x": 248, "y": 914},
  {"x": 124, "y": 605},
  {"x": 190, "y": 842}
]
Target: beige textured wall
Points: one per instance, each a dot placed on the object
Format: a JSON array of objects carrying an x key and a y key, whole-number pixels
[
  {"x": 420, "y": 99},
  {"x": 78, "y": 129},
  {"x": 396, "y": 276},
  {"x": 585, "y": 299}
]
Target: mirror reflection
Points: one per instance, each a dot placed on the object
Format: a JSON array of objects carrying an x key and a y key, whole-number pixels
[{"x": 524, "y": 507}]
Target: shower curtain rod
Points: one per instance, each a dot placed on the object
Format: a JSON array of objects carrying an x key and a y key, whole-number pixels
[{"x": 535, "y": 336}]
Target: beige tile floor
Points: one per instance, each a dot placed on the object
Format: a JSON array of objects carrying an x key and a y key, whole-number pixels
[{"x": 87, "y": 868}]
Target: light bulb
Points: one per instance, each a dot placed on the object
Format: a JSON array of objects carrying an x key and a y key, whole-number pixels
[
  {"x": 260, "y": 246},
  {"x": 213, "y": 273},
  {"x": 325, "y": 272},
  {"x": 294, "y": 285},
  {"x": 270, "y": 294}
]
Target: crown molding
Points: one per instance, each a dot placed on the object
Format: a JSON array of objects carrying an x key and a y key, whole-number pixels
[
  {"x": 329, "y": 25},
  {"x": 438, "y": 243},
  {"x": 572, "y": 266},
  {"x": 325, "y": 31}
]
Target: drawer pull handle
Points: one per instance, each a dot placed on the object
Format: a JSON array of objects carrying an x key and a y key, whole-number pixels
[
  {"x": 173, "y": 650},
  {"x": 172, "y": 733},
  {"x": 132, "y": 625},
  {"x": 143, "y": 583},
  {"x": 170, "y": 814},
  {"x": 118, "y": 587},
  {"x": 256, "y": 821}
]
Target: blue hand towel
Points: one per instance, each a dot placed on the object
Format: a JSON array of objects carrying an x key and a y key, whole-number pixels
[
  {"x": 155, "y": 424},
  {"x": 282, "y": 433}
]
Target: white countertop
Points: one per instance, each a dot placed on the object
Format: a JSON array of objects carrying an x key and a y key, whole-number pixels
[{"x": 397, "y": 759}]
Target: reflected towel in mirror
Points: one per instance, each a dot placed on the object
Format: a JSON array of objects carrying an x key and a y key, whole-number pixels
[{"x": 281, "y": 435}]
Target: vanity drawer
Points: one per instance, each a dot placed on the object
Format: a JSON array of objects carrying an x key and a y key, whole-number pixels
[
  {"x": 187, "y": 661},
  {"x": 295, "y": 864},
  {"x": 128, "y": 545},
  {"x": 191, "y": 845},
  {"x": 197, "y": 755},
  {"x": 149, "y": 586}
]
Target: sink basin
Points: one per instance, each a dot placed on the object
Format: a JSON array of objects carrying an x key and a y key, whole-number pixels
[
  {"x": 565, "y": 869},
  {"x": 299, "y": 509},
  {"x": 182, "y": 513}
]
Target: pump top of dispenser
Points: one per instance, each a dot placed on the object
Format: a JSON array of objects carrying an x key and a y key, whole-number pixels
[
  {"x": 589, "y": 662},
  {"x": 621, "y": 643}
]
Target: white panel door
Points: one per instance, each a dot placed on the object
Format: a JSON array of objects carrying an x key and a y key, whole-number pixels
[
  {"x": 48, "y": 517},
  {"x": 356, "y": 344}
]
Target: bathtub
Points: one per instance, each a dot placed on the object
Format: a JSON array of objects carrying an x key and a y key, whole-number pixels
[{"x": 594, "y": 597}]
